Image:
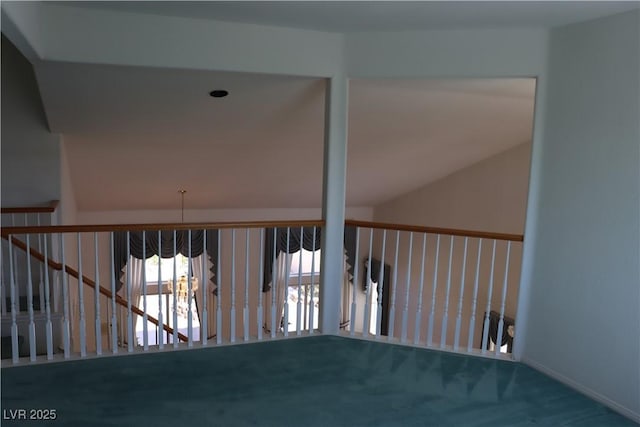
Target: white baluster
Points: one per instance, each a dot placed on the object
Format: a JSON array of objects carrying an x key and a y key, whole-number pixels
[
  {"x": 245, "y": 309},
  {"x": 16, "y": 271},
  {"x": 160, "y": 334},
  {"x": 204, "y": 322},
  {"x": 456, "y": 340},
  {"x": 274, "y": 276},
  {"x": 96, "y": 301},
  {"x": 504, "y": 300},
  {"x": 433, "y": 294},
  {"x": 485, "y": 334},
  {"x": 381, "y": 285},
  {"x": 392, "y": 311},
  {"x": 66, "y": 332},
  {"x": 260, "y": 282},
  {"x": 3, "y": 294},
  {"x": 405, "y": 312},
  {"x": 313, "y": 270},
  {"x": 445, "y": 315},
  {"x": 218, "y": 293},
  {"x": 41, "y": 278},
  {"x": 299, "y": 306},
  {"x": 47, "y": 302},
  {"x": 175, "y": 291},
  {"x": 83, "y": 325},
  {"x": 356, "y": 263},
  {"x": 189, "y": 293},
  {"x": 233, "y": 285},
  {"x": 130, "y": 334},
  {"x": 32, "y": 325},
  {"x": 14, "y": 306},
  {"x": 416, "y": 334},
  {"x": 366, "y": 321},
  {"x": 472, "y": 319},
  {"x": 145, "y": 318},
  {"x": 114, "y": 318},
  {"x": 287, "y": 266}
]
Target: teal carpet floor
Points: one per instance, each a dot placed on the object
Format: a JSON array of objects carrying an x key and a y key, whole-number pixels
[{"x": 315, "y": 381}]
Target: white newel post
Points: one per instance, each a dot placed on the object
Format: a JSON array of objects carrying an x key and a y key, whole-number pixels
[{"x": 333, "y": 198}]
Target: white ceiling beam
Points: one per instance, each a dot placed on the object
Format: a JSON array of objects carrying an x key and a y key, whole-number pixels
[
  {"x": 21, "y": 23},
  {"x": 73, "y": 34},
  {"x": 447, "y": 53}
]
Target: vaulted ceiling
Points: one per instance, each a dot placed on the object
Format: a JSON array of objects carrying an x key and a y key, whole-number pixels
[{"x": 136, "y": 135}]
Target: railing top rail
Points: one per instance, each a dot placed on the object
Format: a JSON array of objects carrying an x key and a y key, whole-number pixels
[
  {"x": 437, "y": 230},
  {"x": 49, "y": 208},
  {"x": 155, "y": 227}
]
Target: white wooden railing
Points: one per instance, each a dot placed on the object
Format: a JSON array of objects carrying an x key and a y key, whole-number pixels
[
  {"x": 448, "y": 289},
  {"x": 86, "y": 312},
  {"x": 454, "y": 290},
  {"x": 24, "y": 298},
  {"x": 29, "y": 216}
]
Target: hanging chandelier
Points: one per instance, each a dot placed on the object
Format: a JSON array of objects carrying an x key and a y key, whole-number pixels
[
  {"x": 181, "y": 287},
  {"x": 181, "y": 290}
]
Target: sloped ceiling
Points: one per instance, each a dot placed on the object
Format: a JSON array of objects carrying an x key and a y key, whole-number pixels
[{"x": 135, "y": 136}]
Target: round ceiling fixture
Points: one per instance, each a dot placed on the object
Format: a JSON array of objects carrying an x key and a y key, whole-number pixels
[{"x": 219, "y": 93}]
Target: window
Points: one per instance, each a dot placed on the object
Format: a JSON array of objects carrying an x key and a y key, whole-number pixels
[
  {"x": 303, "y": 288},
  {"x": 160, "y": 299}
]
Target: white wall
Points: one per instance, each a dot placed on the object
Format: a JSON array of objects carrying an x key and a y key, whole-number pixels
[
  {"x": 30, "y": 154},
  {"x": 584, "y": 302}
]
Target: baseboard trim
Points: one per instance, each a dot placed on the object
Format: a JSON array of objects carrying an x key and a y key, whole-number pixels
[{"x": 634, "y": 416}]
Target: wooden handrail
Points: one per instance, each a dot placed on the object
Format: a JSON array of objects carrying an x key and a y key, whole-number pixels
[
  {"x": 49, "y": 208},
  {"x": 436, "y": 230},
  {"x": 87, "y": 281},
  {"x": 155, "y": 227},
  {"x": 254, "y": 224}
]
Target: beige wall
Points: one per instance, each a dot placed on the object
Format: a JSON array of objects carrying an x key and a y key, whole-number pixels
[
  {"x": 213, "y": 215},
  {"x": 488, "y": 196}
]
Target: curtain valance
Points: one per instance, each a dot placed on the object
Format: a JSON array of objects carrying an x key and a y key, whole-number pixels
[
  {"x": 163, "y": 245},
  {"x": 288, "y": 240}
]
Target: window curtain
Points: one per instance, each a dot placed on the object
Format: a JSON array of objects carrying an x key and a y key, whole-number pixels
[
  {"x": 282, "y": 287},
  {"x": 293, "y": 241},
  {"x": 133, "y": 274},
  {"x": 199, "y": 271},
  {"x": 308, "y": 242},
  {"x": 507, "y": 331},
  {"x": 374, "y": 274},
  {"x": 287, "y": 242},
  {"x": 345, "y": 307},
  {"x": 151, "y": 245},
  {"x": 281, "y": 267},
  {"x": 350, "y": 248}
]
